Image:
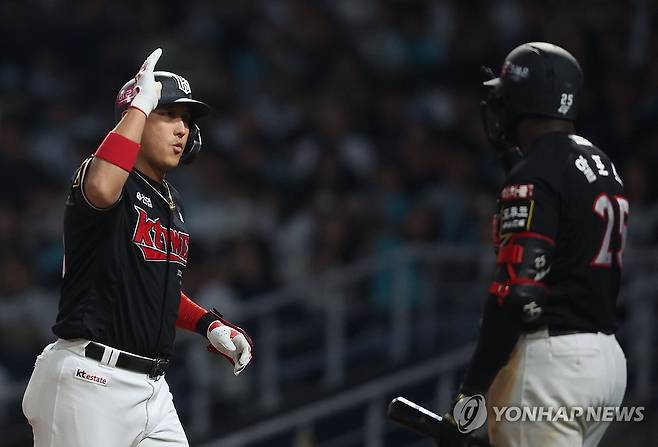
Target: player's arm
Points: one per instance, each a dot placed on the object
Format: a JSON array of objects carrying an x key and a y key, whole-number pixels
[
  {"x": 116, "y": 155},
  {"x": 225, "y": 338},
  {"x": 528, "y": 224}
]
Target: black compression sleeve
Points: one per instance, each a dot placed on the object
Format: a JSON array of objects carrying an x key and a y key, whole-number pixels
[{"x": 499, "y": 333}]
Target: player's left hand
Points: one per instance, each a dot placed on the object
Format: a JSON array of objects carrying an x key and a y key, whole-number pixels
[{"x": 231, "y": 342}]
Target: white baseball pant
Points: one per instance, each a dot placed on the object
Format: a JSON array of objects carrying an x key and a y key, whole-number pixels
[
  {"x": 575, "y": 370},
  {"x": 74, "y": 401}
]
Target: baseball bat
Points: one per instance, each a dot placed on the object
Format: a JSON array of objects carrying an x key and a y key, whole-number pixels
[
  {"x": 415, "y": 417},
  {"x": 422, "y": 421}
]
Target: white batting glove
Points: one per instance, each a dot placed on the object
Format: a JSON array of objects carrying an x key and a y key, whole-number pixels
[
  {"x": 146, "y": 89},
  {"x": 231, "y": 342}
]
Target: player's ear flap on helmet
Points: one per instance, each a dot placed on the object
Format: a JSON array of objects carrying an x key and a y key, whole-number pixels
[
  {"x": 492, "y": 114},
  {"x": 193, "y": 146}
]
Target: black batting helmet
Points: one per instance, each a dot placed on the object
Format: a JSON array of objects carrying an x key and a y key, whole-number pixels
[
  {"x": 175, "y": 90},
  {"x": 537, "y": 79}
]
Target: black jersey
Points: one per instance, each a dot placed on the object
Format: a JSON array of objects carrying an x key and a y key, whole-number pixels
[
  {"x": 569, "y": 190},
  {"x": 123, "y": 267}
]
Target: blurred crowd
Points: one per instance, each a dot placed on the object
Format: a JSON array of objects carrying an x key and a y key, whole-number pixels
[{"x": 340, "y": 129}]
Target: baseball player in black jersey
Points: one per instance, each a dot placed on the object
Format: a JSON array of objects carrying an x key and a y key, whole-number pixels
[
  {"x": 126, "y": 248},
  {"x": 547, "y": 333}
]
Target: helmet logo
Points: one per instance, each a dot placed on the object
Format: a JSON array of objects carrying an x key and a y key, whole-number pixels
[
  {"x": 566, "y": 100},
  {"x": 126, "y": 95},
  {"x": 514, "y": 72},
  {"x": 183, "y": 85}
]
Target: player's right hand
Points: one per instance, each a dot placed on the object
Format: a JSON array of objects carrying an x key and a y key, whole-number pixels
[{"x": 147, "y": 90}]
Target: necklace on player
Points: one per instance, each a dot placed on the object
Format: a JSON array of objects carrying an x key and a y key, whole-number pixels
[{"x": 169, "y": 200}]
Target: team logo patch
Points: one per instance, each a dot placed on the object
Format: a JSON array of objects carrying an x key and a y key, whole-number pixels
[
  {"x": 81, "y": 374},
  {"x": 152, "y": 238},
  {"x": 182, "y": 84},
  {"x": 514, "y": 72}
]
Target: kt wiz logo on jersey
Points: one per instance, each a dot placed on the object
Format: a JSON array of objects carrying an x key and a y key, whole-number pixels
[{"x": 151, "y": 238}]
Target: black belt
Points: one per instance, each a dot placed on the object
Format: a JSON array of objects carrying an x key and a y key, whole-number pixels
[
  {"x": 153, "y": 367},
  {"x": 556, "y": 332}
]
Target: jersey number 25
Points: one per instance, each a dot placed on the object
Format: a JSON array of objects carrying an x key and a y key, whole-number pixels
[{"x": 604, "y": 207}]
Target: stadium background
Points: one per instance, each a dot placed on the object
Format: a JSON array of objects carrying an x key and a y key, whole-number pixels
[{"x": 342, "y": 130}]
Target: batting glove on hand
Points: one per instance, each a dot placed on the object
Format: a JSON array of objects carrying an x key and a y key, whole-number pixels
[
  {"x": 230, "y": 341},
  {"x": 146, "y": 89}
]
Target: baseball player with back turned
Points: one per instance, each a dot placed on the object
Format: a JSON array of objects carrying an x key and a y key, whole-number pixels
[
  {"x": 126, "y": 247},
  {"x": 547, "y": 333}
]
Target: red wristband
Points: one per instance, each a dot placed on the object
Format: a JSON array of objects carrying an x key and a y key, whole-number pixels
[
  {"x": 118, "y": 150},
  {"x": 189, "y": 313}
]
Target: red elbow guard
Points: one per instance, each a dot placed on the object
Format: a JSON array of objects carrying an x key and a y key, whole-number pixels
[{"x": 523, "y": 262}]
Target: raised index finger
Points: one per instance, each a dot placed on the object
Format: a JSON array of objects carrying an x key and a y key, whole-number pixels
[{"x": 149, "y": 63}]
